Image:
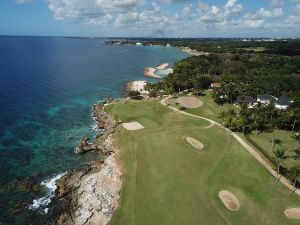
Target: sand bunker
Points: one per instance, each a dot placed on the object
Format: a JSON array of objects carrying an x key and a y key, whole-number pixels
[
  {"x": 229, "y": 200},
  {"x": 189, "y": 102},
  {"x": 195, "y": 143},
  {"x": 293, "y": 213},
  {"x": 132, "y": 126}
]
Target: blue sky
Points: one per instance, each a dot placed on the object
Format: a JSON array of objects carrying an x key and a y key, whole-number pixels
[{"x": 143, "y": 18}]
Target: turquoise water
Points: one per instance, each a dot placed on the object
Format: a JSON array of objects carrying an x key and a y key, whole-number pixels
[
  {"x": 47, "y": 88},
  {"x": 163, "y": 73}
]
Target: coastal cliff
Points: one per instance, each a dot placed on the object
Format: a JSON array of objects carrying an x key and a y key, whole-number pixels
[{"x": 91, "y": 195}]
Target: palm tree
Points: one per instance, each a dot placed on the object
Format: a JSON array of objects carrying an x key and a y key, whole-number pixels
[
  {"x": 276, "y": 142},
  {"x": 297, "y": 154},
  {"x": 222, "y": 115},
  {"x": 271, "y": 112},
  {"x": 231, "y": 116},
  {"x": 294, "y": 174},
  {"x": 280, "y": 157},
  {"x": 296, "y": 137}
]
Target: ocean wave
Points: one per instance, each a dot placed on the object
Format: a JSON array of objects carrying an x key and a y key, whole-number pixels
[
  {"x": 94, "y": 126},
  {"x": 50, "y": 186}
]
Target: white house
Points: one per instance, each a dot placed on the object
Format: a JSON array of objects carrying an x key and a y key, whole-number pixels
[
  {"x": 283, "y": 102},
  {"x": 266, "y": 99}
]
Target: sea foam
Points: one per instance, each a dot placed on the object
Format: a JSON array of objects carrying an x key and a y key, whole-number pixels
[{"x": 50, "y": 186}]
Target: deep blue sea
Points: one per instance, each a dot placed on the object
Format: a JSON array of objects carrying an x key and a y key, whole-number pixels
[{"x": 47, "y": 88}]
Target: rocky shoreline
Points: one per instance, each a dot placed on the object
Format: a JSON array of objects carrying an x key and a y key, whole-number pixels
[
  {"x": 91, "y": 195},
  {"x": 106, "y": 124}
]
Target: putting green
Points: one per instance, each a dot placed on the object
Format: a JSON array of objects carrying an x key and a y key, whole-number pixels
[{"x": 164, "y": 183}]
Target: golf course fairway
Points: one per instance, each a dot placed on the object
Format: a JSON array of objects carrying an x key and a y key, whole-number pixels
[{"x": 167, "y": 182}]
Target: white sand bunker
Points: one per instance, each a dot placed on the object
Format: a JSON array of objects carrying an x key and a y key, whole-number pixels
[
  {"x": 195, "y": 143},
  {"x": 293, "y": 213},
  {"x": 132, "y": 126},
  {"x": 189, "y": 102},
  {"x": 229, "y": 200}
]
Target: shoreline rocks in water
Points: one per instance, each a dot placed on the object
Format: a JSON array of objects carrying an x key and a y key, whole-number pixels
[
  {"x": 91, "y": 195},
  {"x": 106, "y": 123}
]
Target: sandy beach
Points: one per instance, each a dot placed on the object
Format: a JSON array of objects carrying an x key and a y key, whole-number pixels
[
  {"x": 162, "y": 66},
  {"x": 138, "y": 85},
  {"x": 193, "y": 52},
  {"x": 150, "y": 72}
]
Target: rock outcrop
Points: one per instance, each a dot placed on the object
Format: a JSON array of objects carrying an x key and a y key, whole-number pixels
[
  {"x": 91, "y": 195},
  {"x": 104, "y": 122}
]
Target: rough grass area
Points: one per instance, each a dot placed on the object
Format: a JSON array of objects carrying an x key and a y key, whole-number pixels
[
  {"x": 264, "y": 141},
  {"x": 168, "y": 183}
]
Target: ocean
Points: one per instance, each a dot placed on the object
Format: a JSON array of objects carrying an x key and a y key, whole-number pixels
[{"x": 47, "y": 88}]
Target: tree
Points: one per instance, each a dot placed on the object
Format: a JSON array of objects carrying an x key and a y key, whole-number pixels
[
  {"x": 134, "y": 94},
  {"x": 222, "y": 115},
  {"x": 280, "y": 157},
  {"x": 276, "y": 142},
  {"x": 153, "y": 94},
  {"x": 294, "y": 174},
  {"x": 231, "y": 114},
  {"x": 271, "y": 113},
  {"x": 296, "y": 137},
  {"x": 244, "y": 117},
  {"x": 297, "y": 154}
]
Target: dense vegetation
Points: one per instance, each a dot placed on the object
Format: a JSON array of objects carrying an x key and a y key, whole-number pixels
[
  {"x": 242, "y": 75},
  {"x": 290, "y": 47}
]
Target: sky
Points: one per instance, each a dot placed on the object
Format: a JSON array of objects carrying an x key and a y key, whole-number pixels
[{"x": 154, "y": 18}]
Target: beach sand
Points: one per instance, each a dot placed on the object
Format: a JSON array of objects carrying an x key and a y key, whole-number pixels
[
  {"x": 138, "y": 85},
  {"x": 162, "y": 66},
  {"x": 150, "y": 72},
  {"x": 193, "y": 52}
]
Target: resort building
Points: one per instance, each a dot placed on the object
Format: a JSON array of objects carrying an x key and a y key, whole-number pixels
[
  {"x": 138, "y": 44},
  {"x": 266, "y": 99},
  {"x": 283, "y": 102},
  {"x": 249, "y": 100},
  {"x": 215, "y": 85}
]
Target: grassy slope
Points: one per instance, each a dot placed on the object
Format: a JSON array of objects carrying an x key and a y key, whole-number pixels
[
  {"x": 264, "y": 140},
  {"x": 167, "y": 182}
]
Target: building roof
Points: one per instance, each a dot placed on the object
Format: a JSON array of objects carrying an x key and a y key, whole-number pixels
[
  {"x": 215, "y": 84},
  {"x": 245, "y": 99},
  {"x": 283, "y": 100},
  {"x": 266, "y": 97}
]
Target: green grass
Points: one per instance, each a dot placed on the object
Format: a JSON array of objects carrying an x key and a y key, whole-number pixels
[
  {"x": 264, "y": 141},
  {"x": 168, "y": 182}
]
